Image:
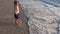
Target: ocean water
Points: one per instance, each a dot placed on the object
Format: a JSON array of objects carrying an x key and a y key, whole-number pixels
[
  {"x": 47, "y": 9},
  {"x": 56, "y": 3},
  {"x": 52, "y": 2}
]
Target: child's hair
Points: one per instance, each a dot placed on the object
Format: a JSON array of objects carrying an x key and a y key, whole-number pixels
[{"x": 15, "y": 2}]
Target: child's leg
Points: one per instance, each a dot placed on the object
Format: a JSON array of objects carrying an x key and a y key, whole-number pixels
[{"x": 16, "y": 21}]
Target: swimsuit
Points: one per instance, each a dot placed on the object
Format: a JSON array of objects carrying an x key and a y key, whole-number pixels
[{"x": 16, "y": 15}]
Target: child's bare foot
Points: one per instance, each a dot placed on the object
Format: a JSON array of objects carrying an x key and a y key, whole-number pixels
[{"x": 18, "y": 24}]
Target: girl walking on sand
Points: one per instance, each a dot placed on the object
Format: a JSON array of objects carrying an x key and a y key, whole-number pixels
[{"x": 16, "y": 12}]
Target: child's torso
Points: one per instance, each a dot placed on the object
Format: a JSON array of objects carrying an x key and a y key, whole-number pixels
[{"x": 16, "y": 9}]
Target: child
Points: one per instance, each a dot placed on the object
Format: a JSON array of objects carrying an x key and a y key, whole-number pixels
[{"x": 16, "y": 12}]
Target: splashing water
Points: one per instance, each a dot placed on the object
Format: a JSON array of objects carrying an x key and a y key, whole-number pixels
[{"x": 43, "y": 15}]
